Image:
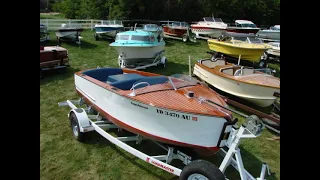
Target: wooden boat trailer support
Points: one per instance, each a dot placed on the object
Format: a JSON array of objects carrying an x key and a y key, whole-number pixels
[
  {"x": 158, "y": 60},
  {"x": 85, "y": 124}
]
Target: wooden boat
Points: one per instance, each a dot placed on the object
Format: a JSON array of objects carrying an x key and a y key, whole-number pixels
[
  {"x": 257, "y": 86},
  {"x": 178, "y": 30},
  {"x": 175, "y": 110}
]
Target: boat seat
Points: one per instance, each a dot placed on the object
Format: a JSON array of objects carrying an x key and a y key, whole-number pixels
[
  {"x": 228, "y": 71},
  {"x": 123, "y": 81},
  {"x": 123, "y": 77},
  {"x": 151, "y": 80},
  {"x": 247, "y": 72},
  {"x": 244, "y": 72},
  {"x": 102, "y": 74},
  {"x": 213, "y": 64}
]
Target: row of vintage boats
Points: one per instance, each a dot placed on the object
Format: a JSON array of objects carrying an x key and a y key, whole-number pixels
[{"x": 208, "y": 26}]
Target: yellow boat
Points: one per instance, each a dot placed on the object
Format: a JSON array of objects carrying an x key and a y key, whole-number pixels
[{"x": 235, "y": 44}]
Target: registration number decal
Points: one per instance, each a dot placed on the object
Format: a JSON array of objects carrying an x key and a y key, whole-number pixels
[{"x": 177, "y": 115}]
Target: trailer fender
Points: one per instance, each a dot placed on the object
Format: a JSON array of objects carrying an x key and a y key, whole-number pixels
[{"x": 83, "y": 119}]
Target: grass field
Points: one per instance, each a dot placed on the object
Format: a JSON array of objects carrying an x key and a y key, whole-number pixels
[{"x": 62, "y": 157}]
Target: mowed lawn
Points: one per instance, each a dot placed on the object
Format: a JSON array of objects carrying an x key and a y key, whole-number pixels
[{"x": 62, "y": 157}]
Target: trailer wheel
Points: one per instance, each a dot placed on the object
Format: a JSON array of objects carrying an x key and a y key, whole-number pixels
[
  {"x": 185, "y": 38},
  {"x": 96, "y": 37},
  {"x": 76, "y": 128},
  {"x": 263, "y": 63},
  {"x": 201, "y": 169},
  {"x": 59, "y": 41},
  {"x": 164, "y": 61}
]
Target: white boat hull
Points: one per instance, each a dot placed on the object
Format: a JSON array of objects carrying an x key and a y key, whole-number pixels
[
  {"x": 259, "y": 95},
  {"x": 129, "y": 54},
  {"x": 267, "y": 34},
  {"x": 67, "y": 34},
  {"x": 108, "y": 33},
  {"x": 208, "y": 32},
  {"x": 157, "y": 123}
]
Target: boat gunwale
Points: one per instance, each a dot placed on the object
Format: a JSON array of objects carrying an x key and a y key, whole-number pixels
[
  {"x": 118, "y": 92},
  {"x": 214, "y": 41}
]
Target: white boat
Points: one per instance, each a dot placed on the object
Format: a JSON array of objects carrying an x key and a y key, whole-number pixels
[
  {"x": 68, "y": 32},
  {"x": 177, "y": 113},
  {"x": 108, "y": 29},
  {"x": 154, "y": 28},
  {"x": 209, "y": 26},
  {"x": 275, "y": 50},
  {"x": 138, "y": 46},
  {"x": 174, "y": 110},
  {"x": 273, "y": 33},
  {"x": 257, "y": 86},
  {"x": 243, "y": 26}
]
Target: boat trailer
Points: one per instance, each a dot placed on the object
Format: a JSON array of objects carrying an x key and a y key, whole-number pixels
[
  {"x": 187, "y": 36},
  {"x": 159, "y": 59},
  {"x": 270, "y": 121},
  {"x": 77, "y": 40},
  {"x": 84, "y": 120}
]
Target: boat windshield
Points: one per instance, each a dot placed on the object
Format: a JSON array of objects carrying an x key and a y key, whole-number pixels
[
  {"x": 122, "y": 37},
  {"x": 249, "y": 25},
  {"x": 254, "y": 40},
  {"x": 182, "y": 24},
  {"x": 150, "y": 26},
  {"x": 140, "y": 38},
  {"x": 251, "y": 40},
  {"x": 250, "y": 71},
  {"x": 209, "y": 19},
  {"x": 162, "y": 83},
  {"x": 217, "y": 19},
  {"x": 112, "y": 22}
]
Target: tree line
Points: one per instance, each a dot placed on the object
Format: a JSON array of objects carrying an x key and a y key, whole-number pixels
[{"x": 258, "y": 11}]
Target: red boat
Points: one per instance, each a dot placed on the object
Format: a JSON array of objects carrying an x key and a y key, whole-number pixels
[
  {"x": 177, "y": 30},
  {"x": 52, "y": 57}
]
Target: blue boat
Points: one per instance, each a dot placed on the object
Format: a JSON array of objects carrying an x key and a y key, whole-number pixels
[
  {"x": 108, "y": 29},
  {"x": 139, "y": 47}
]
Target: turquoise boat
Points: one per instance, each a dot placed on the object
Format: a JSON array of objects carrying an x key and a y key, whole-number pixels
[{"x": 138, "y": 46}]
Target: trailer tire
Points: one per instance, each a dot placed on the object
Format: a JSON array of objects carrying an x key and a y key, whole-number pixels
[
  {"x": 201, "y": 168},
  {"x": 59, "y": 41},
  {"x": 96, "y": 37},
  {"x": 79, "y": 136},
  {"x": 263, "y": 63},
  {"x": 185, "y": 38}
]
